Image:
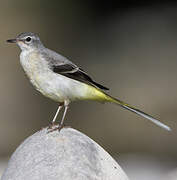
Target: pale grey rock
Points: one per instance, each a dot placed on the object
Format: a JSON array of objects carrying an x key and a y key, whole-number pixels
[
  {"x": 3, "y": 164},
  {"x": 64, "y": 155}
]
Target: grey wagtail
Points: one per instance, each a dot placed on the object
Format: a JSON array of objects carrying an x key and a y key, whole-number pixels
[{"x": 61, "y": 80}]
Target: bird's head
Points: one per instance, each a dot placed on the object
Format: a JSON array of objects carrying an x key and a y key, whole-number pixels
[{"x": 27, "y": 41}]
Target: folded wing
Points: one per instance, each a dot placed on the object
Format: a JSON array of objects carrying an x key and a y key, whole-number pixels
[{"x": 74, "y": 72}]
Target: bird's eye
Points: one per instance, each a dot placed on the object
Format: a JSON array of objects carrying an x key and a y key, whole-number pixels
[{"x": 28, "y": 39}]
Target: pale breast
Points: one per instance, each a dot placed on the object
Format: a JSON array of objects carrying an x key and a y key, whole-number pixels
[{"x": 39, "y": 73}]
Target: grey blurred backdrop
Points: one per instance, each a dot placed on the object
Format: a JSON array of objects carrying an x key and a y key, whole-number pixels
[{"x": 128, "y": 46}]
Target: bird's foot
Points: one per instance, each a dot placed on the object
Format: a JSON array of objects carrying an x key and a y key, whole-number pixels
[
  {"x": 59, "y": 127},
  {"x": 51, "y": 125}
]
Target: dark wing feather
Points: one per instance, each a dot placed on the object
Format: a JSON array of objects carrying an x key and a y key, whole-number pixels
[{"x": 73, "y": 72}]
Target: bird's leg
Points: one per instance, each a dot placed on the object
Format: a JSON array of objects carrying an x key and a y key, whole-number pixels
[
  {"x": 61, "y": 125},
  {"x": 56, "y": 114},
  {"x": 55, "y": 117},
  {"x": 63, "y": 118}
]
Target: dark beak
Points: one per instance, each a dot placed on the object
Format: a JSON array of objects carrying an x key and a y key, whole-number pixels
[{"x": 11, "y": 40}]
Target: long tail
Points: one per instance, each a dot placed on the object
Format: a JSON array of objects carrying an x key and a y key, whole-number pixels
[{"x": 137, "y": 111}]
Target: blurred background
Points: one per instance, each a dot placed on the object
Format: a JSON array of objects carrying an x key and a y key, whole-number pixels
[{"x": 129, "y": 46}]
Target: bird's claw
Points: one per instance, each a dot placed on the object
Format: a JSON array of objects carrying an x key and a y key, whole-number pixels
[
  {"x": 51, "y": 125},
  {"x": 59, "y": 127}
]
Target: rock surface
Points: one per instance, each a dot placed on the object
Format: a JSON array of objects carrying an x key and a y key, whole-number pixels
[{"x": 64, "y": 155}]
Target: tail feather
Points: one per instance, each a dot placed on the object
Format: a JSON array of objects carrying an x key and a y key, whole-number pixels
[{"x": 137, "y": 111}]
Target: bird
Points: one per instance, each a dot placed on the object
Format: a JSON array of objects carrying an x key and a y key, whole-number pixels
[{"x": 59, "y": 79}]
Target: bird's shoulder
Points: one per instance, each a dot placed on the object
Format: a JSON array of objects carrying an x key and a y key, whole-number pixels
[{"x": 55, "y": 59}]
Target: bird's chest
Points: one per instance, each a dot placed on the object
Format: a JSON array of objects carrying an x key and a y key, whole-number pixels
[{"x": 37, "y": 71}]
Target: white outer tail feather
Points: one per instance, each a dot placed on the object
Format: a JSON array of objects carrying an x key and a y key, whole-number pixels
[
  {"x": 155, "y": 121},
  {"x": 137, "y": 111}
]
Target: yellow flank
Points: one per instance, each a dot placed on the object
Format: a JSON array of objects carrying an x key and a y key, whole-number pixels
[{"x": 95, "y": 94}]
